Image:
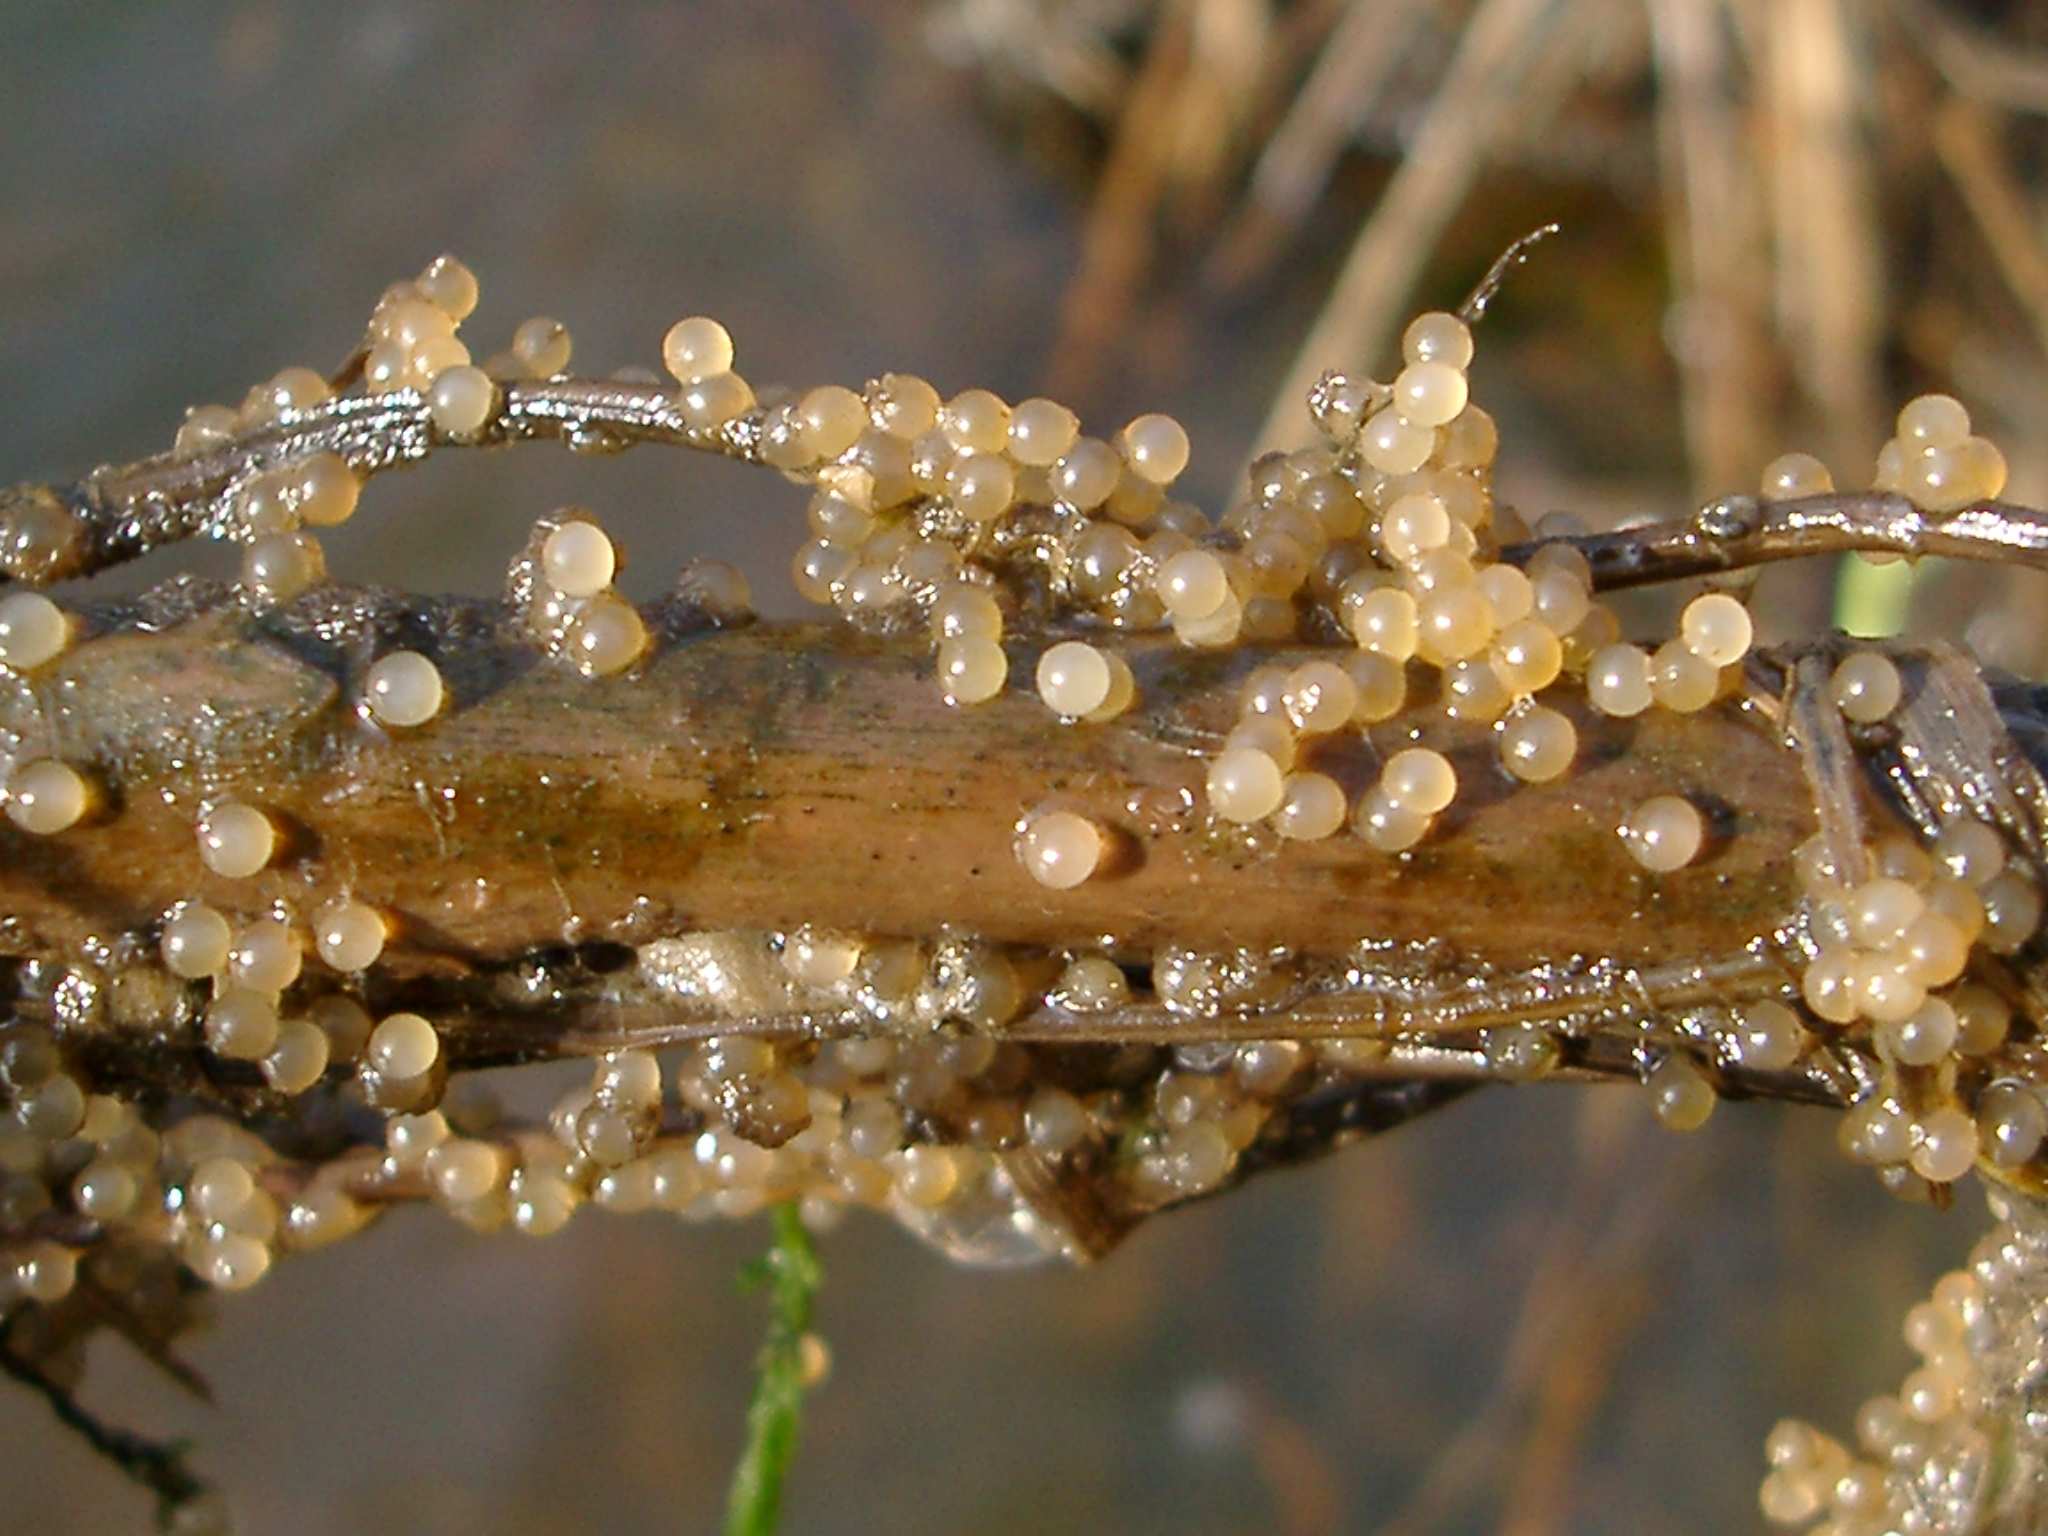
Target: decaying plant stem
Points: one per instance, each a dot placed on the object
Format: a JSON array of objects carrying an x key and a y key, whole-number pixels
[
  {"x": 1021, "y": 967},
  {"x": 764, "y": 777},
  {"x": 737, "y": 782}
]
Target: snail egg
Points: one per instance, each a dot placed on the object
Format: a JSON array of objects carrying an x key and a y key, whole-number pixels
[
  {"x": 236, "y": 840},
  {"x": 33, "y": 630},
  {"x": 404, "y": 1046},
  {"x": 1683, "y": 1098},
  {"x": 1538, "y": 744},
  {"x": 1040, "y": 432},
  {"x": 1320, "y": 697},
  {"x": 1192, "y": 585},
  {"x": 1618, "y": 680},
  {"x": 1074, "y": 678},
  {"x": 1664, "y": 833},
  {"x": 696, "y": 348},
  {"x": 348, "y": 934},
  {"x": 1244, "y": 785},
  {"x": 714, "y": 400},
  {"x": 1866, "y": 687},
  {"x": 578, "y": 558},
  {"x": 242, "y": 1025},
  {"x": 964, "y": 612},
  {"x": 1156, "y": 447},
  {"x": 325, "y": 489},
  {"x": 972, "y": 671},
  {"x": 460, "y": 399},
  {"x": 1933, "y": 421},
  {"x": 1717, "y": 629},
  {"x": 46, "y": 797},
  {"x": 195, "y": 942},
  {"x": 449, "y": 286},
  {"x": 1060, "y": 849},
  {"x": 1437, "y": 337},
  {"x": 403, "y": 689},
  {"x": 1792, "y": 475},
  {"x": 265, "y": 956},
  {"x": 543, "y": 346},
  {"x": 832, "y": 418},
  {"x": 299, "y": 1058},
  {"x": 1419, "y": 780},
  {"x": 1430, "y": 394},
  {"x": 1311, "y": 807},
  {"x": 977, "y": 419},
  {"x": 1086, "y": 473},
  {"x": 606, "y": 637}
]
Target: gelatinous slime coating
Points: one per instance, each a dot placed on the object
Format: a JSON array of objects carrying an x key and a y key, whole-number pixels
[{"x": 1206, "y": 846}]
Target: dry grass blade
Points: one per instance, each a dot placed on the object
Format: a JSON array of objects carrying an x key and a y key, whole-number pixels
[
  {"x": 1298, "y": 159},
  {"x": 1475, "y": 104},
  {"x": 1824, "y": 220},
  {"x": 1966, "y": 140},
  {"x": 1714, "y": 236},
  {"x": 1979, "y": 65},
  {"x": 1564, "y": 1331}
]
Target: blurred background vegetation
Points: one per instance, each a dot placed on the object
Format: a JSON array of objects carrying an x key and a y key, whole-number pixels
[{"x": 1534, "y": 1312}]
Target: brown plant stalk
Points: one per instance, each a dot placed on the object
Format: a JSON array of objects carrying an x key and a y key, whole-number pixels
[{"x": 764, "y": 776}]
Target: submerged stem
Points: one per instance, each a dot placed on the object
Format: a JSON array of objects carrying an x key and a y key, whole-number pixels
[{"x": 790, "y": 1273}]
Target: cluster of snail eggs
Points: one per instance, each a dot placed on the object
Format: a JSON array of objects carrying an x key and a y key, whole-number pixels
[
  {"x": 1892, "y": 928},
  {"x": 210, "y": 1191},
  {"x": 923, "y": 1123},
  {"x": 412, "y": 343},
  {"x": 1935, "y": 461},
  {"x": 571, "y": 605},
  {"x": 1388, "y": 535},
  {"x": 921, "y": 1126},
  {"x": 1384, "y": 539},
  {"x": 41, "y": 795},
  {"x": 1892, "y": 947},
  {"x": 272, "y": 513},
  {"x": 1926, "y": 1457},
  {"x": 918, "y": 498},
  {"x": 46, "y": 796}
]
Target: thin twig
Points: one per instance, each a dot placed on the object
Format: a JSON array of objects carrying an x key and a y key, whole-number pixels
[
  {"x": 157, "y": 1465},
  {"x": 121, "y": 513},
  {"x": 1739, "y": 531},
  {"x": 1298, "y": 160},
  {"x": 1474, "y": 308}
]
